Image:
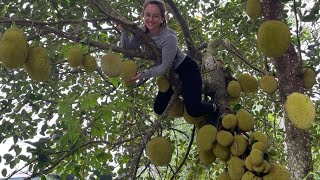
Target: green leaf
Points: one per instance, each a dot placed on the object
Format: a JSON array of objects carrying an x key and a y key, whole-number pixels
[
  {"x": 4, "y": 172},
  {"x": 23, "y": 157}
]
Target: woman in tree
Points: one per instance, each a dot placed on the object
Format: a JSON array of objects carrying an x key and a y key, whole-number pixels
[{"x": 166, "y": 40}]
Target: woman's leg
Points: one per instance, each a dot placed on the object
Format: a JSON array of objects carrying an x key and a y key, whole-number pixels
[
  {"x": 190, "y": 76},
  {"x": 162, "y": 100}
]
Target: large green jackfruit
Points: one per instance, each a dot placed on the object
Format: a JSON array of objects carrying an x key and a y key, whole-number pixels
[
  {"x": 75, "y": 57},
  {"x": 206, "y": 136},
  {"x": 300, "y": 110},
  {"x": 229, "y": 121},
  {"x": 159, "y": 150},
  {"x": 273, "y": 38},
  {"x": 38, "y": 64},
  {"x": 239, "y": 145},
  {"x": 129, "y": 68},
  {"x": 234, "y": 89},
  {"x": 235, "y": 168},
  {"x": 206, "y": 157},
  {"x": 248, "y": 83},
  {"x": 163, "y": 83},
  {"x": 269, "y": 84},
  {"x": 13, "y": 48},
  {"x": 253, "y": 8},
  {"x": 223, "y": 176},
  {"x": 111, "y": 65},
  {"x": 277, "y": 171},
  {"x": 89, "y": 64},
  {"x": 309, "y": 77},
  {"x": 177, "y": 109},
  {"x": 245, "y": 120},
  {"x": 224, "y": 138}
]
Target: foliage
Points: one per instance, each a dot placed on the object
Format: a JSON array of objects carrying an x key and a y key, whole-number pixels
[{"x": 89, "y": 125}]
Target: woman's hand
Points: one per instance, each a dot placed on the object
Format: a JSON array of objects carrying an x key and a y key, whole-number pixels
[{"x": 134, "y": 78}]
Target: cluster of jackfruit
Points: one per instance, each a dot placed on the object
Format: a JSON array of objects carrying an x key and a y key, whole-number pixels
[
  {"x": 269, "y": 84},
  {"x": 159, "y": 150},
  {"x": 300, "y": 110},
  {"x": 253, "y": 8},
  {"x": 76, "y": 58},
  {"x": 13, "y": 48},
  {"x": 309, "y": 77},
  {"x": 273, "y": 38},
  {"x": 113, "y": 66}
]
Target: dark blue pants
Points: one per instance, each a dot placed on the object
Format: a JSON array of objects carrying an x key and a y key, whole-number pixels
[{"x": 190, "y": 76}]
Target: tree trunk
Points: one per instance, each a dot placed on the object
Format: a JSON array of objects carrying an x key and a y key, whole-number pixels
[{"x": 297, "y": 142}]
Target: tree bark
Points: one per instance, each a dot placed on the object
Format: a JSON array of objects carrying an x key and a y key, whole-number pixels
[{"x": 297, "y": 142}]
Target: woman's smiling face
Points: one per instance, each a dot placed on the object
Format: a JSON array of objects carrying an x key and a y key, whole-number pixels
[{"x": 152, "y": 18}]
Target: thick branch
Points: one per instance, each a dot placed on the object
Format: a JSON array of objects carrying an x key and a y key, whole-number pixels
[{"x": 194, "y": 52}]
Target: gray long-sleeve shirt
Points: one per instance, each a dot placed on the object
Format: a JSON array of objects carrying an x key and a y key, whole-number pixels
[{"x": 167, "y": 42}]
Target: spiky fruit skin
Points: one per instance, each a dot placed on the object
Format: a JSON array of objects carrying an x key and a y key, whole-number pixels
[
  {"x": 38, "y": 64},
  {"x": 163, "y": 83},
  {"x": 260, "y": 137},
  {"x": 253, "y": 9},
  {"x": 248, "y": 176},
  {"x": 13, "y": 48},
  {"x": 192, "y": 120},
  {"x": 177, "y": 109},
  {"x": 273, "y": 38},
  {"x": 248, "y": 83},
  {"x": 221, "y": 152},
  {"x": 235, "y": 168},
  {"x": 223, "y": 176},
  {"x": 206, "y": 136},
  {"x": 269, "y": 84},
  {"x": 239, "y": 145},
  {"x": 260, "y": 146},
  {"x": 245, "y": 120},
  {"x": 159, "y": 150},
  {"x": 229, "y": 121},
  {"x": 277, "y": 171},
  {"x": 224, "y": 138},
  {"x": 248, "y": 163},
  {"x": 111, "y": 65},
  {"x": 89, "y": 64},
  {"x": 234, "y": 89},
  {"x": 206, "y": 157},
  {"x": 300, "y": 110},
  {"x": 75, "y": 57},
  {"x": 256, "y": 157},
  {"x": 309, "y": 77},
  {"x": 129, "y": 69}
]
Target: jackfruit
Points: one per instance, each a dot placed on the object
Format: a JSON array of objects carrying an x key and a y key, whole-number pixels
[
  {"x": 253, "y": 9},
  {"x": 267, "y": 166},
  {"x": 260, "y": 137},
  {"x": 159, "y": 150},
  {"x": 223, "y": 176},
  {"x": 260, "y": 146},
  {"x": 239, "y": 145},
  {"x": 234, "y": 89},
  {"x": 13, "y": 48},
  {"x": 224, "y": 138},
  {"x": 248, "y": 175},
  {"x": 277, "y": 171},
  {"x": 206, "y": 136},
  {"x": 111, "y": 65},
  {"x": 163, "y": 83},
  {"x": 75, "y": 57},
  {"x": 235, "y": 168},
  {"x": 248, "y": 83},
  {"x": 177, "y": 109},
  {"x": 221, "y": 152},
  {"x": 129, "y": 69},
  {"x": 300, "y": 110},
  {"x": 269, "y": 84},
  {"x": 256, "y": 157},
  {"x": 248, "y": 163},
  {"x": 38, "y": 64},
  {"x": 229, "y": 121},
  {"x": 273, "y": 38},
  {"x": 309, "y": 77},
  {"x": 206, "y": 157},
  {"x": 89, "y": 64},
  {"x": 245, "y": 120},
  {"x": 192, "y": 120}
]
